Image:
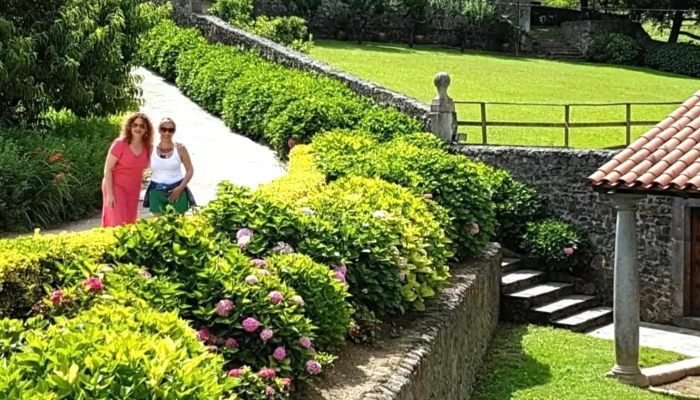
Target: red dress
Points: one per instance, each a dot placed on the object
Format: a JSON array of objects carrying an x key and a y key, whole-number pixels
[{"x": 127, "y": 175}]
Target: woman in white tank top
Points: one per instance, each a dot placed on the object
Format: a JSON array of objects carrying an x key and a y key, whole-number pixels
[{"x": 168, "y": 184}]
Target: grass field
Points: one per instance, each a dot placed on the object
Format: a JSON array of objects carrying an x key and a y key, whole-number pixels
[
  {"x": 535, "y": 363},
  {"x": 494, "y": 77}
]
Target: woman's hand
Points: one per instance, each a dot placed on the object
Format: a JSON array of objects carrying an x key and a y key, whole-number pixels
[
  {"x": 111, "y": 201},
  {"x": 175, "y": 194}
]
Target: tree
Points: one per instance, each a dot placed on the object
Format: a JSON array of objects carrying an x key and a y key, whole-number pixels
[
  {"x": 416, "y": 15},
  {"x": 664, "y": 14},
  {"x": 69, "y": 54}
]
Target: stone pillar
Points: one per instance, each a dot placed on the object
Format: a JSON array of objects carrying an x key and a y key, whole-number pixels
[
  {"x": 626, "y": 297},
  {"x": 443, "y": 118},
  {"x": 196, "y": 6}
]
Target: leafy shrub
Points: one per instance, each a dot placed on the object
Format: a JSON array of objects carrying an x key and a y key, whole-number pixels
[
  {"x": 52, "y": 173},
  {"x": 516, "y": 205},
  {"x": 452, "y": 181},
  {"x": 614, "y": 48},
  {"x": 302, "y": 179},
  {"x": 323, "y": 296},
  {"x": 289, "y": 31},
  {"x": 365, "y": 326},
  {"x": 237, "y": 12},
  {"x": 677, "y": 58},
  {"x": 29, "y": 263},
  {"x": 135, "y": 354},
  {"x": 340, "y": 150},
  {"x": 237, "y": 208},
  {"x": 388, "y": 122},
  {"x": 381, "y": 238},
  {"x": 554, "y": 245}
]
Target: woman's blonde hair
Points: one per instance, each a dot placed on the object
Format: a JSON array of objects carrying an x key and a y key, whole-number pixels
[
  {"x": 126, "y": 129},
  {"x": 164, "y": 120}
]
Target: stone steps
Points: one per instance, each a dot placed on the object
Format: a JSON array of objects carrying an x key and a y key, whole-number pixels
[
  {"x": 549, "y": 42},
  {"x": 527, "y": 296}
]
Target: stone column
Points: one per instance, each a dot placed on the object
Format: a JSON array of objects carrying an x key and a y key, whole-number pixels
[
  {"x": 443, "y": 120},
  {"x": 626, "y": 297}
]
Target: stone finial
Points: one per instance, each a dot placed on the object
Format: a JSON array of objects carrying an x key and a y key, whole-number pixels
[{"x": 442, "y": 82}]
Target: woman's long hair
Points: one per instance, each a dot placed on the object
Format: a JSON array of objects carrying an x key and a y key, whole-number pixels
[{"x": 147, "y": 137}]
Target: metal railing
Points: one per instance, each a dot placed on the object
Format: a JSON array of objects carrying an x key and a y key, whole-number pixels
[{"x": 566, "y": 124}]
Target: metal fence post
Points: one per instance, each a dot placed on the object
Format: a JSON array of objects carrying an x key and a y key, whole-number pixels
[
  {"x": 442, "y": 111},
  {"x": 628, "y": 120},
  {"x": 484, "y": 134},
  {"x": 567, "y": 120}
]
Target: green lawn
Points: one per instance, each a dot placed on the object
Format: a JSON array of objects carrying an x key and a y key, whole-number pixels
[
  {"x": 536, "y": 363},
  {"x": 493, "y": 77}
]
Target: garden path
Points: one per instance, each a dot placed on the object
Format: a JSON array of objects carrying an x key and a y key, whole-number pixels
[
  {"x": 671, "y": 338},
  {"x": 217, "y": 153}
]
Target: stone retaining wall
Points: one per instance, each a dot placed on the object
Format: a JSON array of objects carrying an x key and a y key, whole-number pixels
[
  {"x": 447, "y": 343},
  {"x": 218, "y": 31},
  {"x": 558, "y": 175},
  {"x": 581, "y": 33}
]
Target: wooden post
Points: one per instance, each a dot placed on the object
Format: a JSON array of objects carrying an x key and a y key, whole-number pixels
[
  {"x": 567, "y": 118},
  {"x": 628, "y": 120},
  {"x": 484, "y": 140}
]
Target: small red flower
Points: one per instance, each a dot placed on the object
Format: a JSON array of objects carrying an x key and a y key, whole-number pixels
[
  {"x": 291, "y": 143},
  {"x": 56, "y": 157},
  {"x": 59, "y": 177}
]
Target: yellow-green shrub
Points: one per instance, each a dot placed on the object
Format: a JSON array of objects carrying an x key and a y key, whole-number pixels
[{"x": 302, "y": 179}]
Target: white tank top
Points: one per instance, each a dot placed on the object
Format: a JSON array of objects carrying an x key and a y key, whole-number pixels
[{"x": 166, "y": 170}]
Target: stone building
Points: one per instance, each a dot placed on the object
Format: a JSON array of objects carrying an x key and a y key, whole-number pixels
[{"x": 664, "y": 162}]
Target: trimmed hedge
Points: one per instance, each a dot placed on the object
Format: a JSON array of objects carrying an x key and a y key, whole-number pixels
[
  {"x": 242, "y": 87},
  {"x": 302, "y": 179}
]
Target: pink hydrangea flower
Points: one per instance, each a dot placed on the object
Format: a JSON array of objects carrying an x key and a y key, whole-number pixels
[
  {"x": 244, "y": 232},
  {"x": 279, "y": 354},
  {"x": 269, "y": 391},
  {"x": 224, "y": 308},
  {"x": 402, "y": 277},
  {"x": 291, "y": 143},
  {"x": 266, "y": 335},
  {"x": 267, "y": 373},
  {"x": 314, "y": 367},
  {"x": 145, "y": 273},
  {"x": 251, "y": 324},
  {"x": 216, "y": 340},
  {"x": 284, "y": 248},
  {"x": 287, "y": 382},
  {"x": 94, "y": 284},
  {"x": 212, "y": 348},
  {"x": 235, "y": 373},
  {"x": 379, "y": 214},
  {"x": 56, "y": 296},
  {"x": 203, "y": 335},
  {"x": 307, "y": 210},
  {"x": 340, "y": 272},
  {"x": 475, "y": 228},
  {"x": 251, "y": 279},
  {"x": 569, "y": 251},
  {"x": 428, "y": 196},
  {"x": 263, "y": 272},
  {"x": 306, "y": 342},
  {"x": 231, "y": 343},
  {"x": 276, "y": 297},
  {"x": 298, "y": 300},
  {"x": 259, "y": 263},
  {"x": 243, "y": 242}
]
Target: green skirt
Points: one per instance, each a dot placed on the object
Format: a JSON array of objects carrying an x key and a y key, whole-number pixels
[{"x": 159, "y": 201}]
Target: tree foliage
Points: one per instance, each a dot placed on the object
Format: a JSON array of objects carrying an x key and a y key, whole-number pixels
[{"x": 69, "y": 54}]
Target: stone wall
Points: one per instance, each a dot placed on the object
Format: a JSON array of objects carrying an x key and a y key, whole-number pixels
[
  {"x": 218, "y": 31},
  {"x": 581, "y": 33},
  {"x": 558, "y": 174},
  {"x": 448, "y": 341}
]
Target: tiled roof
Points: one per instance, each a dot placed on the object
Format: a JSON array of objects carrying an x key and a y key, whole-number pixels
[{"x": 665, "y": 159}]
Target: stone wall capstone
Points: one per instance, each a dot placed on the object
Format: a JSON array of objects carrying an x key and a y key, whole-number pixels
[
  {"x": 219, "y": 31},
  {"x": 558, "y": 175}
]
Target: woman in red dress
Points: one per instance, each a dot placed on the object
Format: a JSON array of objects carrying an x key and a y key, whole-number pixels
[{"x": 128, "y": 157}]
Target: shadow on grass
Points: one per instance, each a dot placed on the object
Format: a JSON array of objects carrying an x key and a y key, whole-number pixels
[{"x": 507, "y": 368}]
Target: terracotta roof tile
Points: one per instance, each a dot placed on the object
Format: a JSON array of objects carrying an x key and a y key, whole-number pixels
[{"x": 665, "y": 158}]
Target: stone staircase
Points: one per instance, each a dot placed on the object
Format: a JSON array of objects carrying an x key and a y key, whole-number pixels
[
  {"x": 527, "y": 296},
  {"x": 549, "y": 42}
]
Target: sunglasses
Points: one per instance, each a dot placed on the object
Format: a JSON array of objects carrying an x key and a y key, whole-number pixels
[
  {"x": 142, "y": 126},
  {"x": 169, "y": 130}
]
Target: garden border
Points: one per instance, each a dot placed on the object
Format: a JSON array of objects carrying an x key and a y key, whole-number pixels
[
  {"x": 219, "y": 31},
  {"x": 451, "y": 337}
]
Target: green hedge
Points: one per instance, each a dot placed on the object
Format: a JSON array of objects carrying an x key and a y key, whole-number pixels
[
  {"x": 52, "y": 173},
  {"x": 261, "y": 99}
]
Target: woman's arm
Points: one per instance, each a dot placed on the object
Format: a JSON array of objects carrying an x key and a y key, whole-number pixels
[
  {"x": 189, "y": 172},
  {"x": 109, "y": 184}
]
